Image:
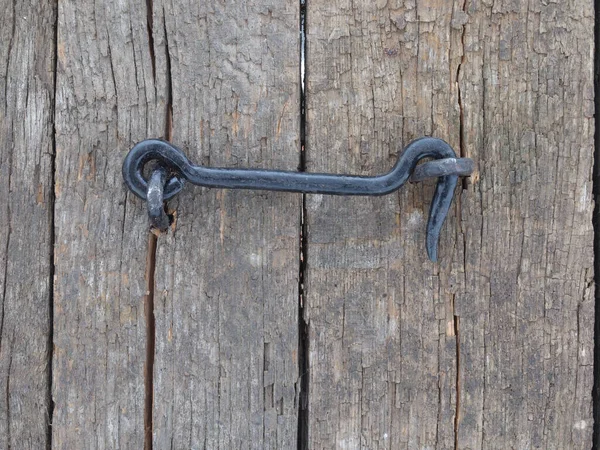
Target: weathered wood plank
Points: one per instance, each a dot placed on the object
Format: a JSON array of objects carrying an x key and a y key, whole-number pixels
[
  {"x": 226, "y": 279},
  {"x": 511, "y": 302},
  {"x": 527, "y": 90},
  {"x": 26, "y": 156},
  {"x": 107, "y": 99}
]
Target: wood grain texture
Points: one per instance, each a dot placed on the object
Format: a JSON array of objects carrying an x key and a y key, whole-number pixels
[
  {"x": 26, "y": 156},
  {"x": 107, "y": 98},
  {"x": 492, "y": 347},
  {"x": 226, "y": 296}
]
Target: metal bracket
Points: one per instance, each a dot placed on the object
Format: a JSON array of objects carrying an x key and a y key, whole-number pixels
[{"x": 172, "y": 169}]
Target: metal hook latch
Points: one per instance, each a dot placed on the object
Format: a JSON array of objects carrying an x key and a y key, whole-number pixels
[{"x": 173, "y": 168}]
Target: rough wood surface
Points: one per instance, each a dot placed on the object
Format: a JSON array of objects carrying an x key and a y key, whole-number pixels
[
  {"x": 490, "y": 348},
  {"x": 493, "y": 346},
  {"x": 26, "y": 155},
  {"x": 226, "y": 298},
  {"x": 107, "y": 98}
]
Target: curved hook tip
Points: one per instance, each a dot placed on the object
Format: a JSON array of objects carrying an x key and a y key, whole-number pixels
[
  {"x": 432, "y": 252},
  {"x": 433, "y": 236},
  {"x": 440, "y": 205}
]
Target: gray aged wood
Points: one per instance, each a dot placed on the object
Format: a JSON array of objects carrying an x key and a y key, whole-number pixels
[
  {"x": 107, "y": 98},
  {"x": 26, "y": 111},
  {"x": 226, "y": 299},
  {"x": 510, "y": 305},
  {"x": 490, "y": 348}
]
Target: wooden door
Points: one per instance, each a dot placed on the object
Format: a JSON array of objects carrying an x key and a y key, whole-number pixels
[{"x": 274, "y": 320}]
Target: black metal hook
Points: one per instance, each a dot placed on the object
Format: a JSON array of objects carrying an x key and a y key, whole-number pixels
[{"x": 173, "y": 168}]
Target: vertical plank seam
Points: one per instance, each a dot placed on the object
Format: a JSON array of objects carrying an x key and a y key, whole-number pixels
[
  {"x": 463, "y": 153},
  {"x": 149, "y": 277},
  {"x": 596, "y": 224},
  {"x": 52, "y": 264},
  {"x": 303, "y": 336}
]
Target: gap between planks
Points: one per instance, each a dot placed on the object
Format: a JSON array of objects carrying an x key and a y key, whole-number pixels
[{"x": 303, "y": 334}]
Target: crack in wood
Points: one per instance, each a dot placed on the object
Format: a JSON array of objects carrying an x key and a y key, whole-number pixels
[
  {"x": 8, "y": 233},
  {"x": 457, "y": 413},
  {"x": 9, "y": 51},
  {"x": 150, "y": 28},
  {"x": 464, "y": 182},
  {"x": 169, "y": 106},
  {"x": 461, "y": 131},
  {"x": 150, "y": 339},
  {"x": 8, "y": 408}
]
